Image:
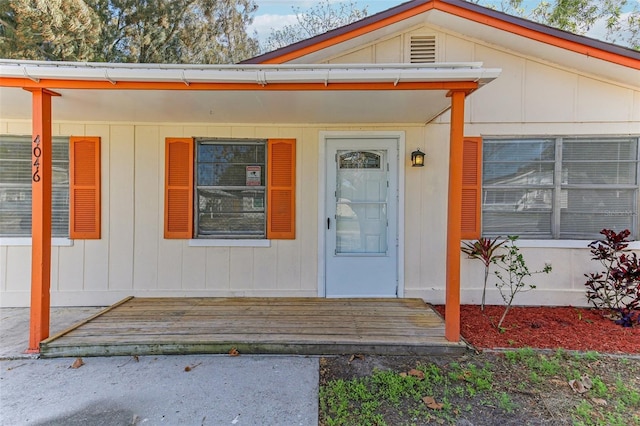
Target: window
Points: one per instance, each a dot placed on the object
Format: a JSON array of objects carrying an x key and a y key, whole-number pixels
[
  {"x": 15, "y": 186},
  {"x": 564, "y": 187},
  {"x": 230, "y": 189}
]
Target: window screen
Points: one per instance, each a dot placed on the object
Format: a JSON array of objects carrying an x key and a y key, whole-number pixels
[
  {"x": 230, "y": 184},
  {"x": 559, "y": 187},
  {"x": 16, "y": 181}
]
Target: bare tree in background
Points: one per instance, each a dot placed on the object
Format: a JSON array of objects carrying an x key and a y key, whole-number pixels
[{"x": 319, "y": 19}]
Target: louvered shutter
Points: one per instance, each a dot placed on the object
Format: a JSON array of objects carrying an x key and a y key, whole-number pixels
[
  {"x": 471, "y": 188},
  {"x": 84, "y": 188},
  {"x": 178, "y": 190},
  {"x": 281, "y": 188}
]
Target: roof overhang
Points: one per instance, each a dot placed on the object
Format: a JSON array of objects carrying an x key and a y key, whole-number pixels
[
  {"x": 380, "y": 93},
  {"x": 477, "y": 23}
]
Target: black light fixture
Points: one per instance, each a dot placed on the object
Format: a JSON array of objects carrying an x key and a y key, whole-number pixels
[{"x": 417, "y": 158}]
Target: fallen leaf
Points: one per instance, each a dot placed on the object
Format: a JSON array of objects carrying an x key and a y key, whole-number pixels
[
  {"x": 233, "y": 352},
  {"x": 136, "y": 358},
  {"x": 191, "y": 367},
  {"x": 77, "y": 363},
  {"x": 582, "y": 385},
  {"x": 599, "y": 401},
  {"x": 403, "y": 374},
  {"x": 416, "y": 373},
  {"x": 586, "y": 382},
  {"x": 577, "y": 386},
  {"x": 430, "y": 402},
  {"x": 356, "y": 356}
]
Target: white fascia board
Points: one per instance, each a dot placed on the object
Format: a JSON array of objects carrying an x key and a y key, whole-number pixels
[{"x": 259, "y": 74}]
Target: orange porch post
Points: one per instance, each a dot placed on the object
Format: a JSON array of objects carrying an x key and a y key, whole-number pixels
[
  {"x": 41, "y": 153},
  {"x": 454, "y": 217}
]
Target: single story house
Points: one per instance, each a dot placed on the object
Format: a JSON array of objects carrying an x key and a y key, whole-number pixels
[{"x": 290, "y": 174}]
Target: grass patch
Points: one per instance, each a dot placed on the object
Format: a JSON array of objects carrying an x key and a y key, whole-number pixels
[{"x": 509, "y": 388}]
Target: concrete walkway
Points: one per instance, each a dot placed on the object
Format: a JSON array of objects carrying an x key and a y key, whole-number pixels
[{"x": 149, "y": 390}]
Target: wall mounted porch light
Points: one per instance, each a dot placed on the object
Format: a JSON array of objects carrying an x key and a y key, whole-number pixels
[{"x": 417, "y": 158}]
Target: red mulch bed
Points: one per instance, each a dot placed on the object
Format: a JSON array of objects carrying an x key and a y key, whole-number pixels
[{"x": 570, "y": 328}]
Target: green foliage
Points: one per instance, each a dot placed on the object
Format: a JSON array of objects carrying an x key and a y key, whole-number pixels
[
  {"x": 620, "y": 17},
  {"x": 511, "y": 272},
  {"x": 599, "y": 388},
  {"x": 628, "y": 395},
  {"x": 505, "y": 402},
  {"x": 160, "y": 31},
  {"x": 484, "y": 250},
  {"x": 324, "y": 16},
  {"x": 539, "y": 364},
  {"x": 387, "y": 397},
  {"x": 617, "y": 287},
  {"x": 64, "y": 30},
  {"x": 359, "y": 401}
]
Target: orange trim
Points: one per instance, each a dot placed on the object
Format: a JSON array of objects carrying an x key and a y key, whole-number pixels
[
  {"x": 281, "y": 189},
  {"x": 351, "y": 34},
  {"x": 142, "y": 85},
  {"x": 178, "y": 188},
  {"x": 466, "y": 14},
  {"x": 537, "y": 35},
  {"x": 471, "y": 187},
  {"x": 41, "y": 219},
  {"x": 84, "y": 188},
  {"x": 452, "y": 307}
]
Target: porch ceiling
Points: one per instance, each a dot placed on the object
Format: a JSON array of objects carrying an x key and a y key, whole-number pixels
[
  {"x": 389, "y": 93},
  {"x": 234, "y": 106}
]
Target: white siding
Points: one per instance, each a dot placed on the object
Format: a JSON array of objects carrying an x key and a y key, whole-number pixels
[{"x": 531, "y": 97}]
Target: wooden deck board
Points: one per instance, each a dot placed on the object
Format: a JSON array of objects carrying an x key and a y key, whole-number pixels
[{"x": 256, "y": 325}]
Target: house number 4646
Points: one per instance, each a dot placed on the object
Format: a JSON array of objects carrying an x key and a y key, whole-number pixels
[{"x": 37, "y": 152}]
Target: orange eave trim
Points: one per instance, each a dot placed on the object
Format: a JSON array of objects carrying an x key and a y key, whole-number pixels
[
  {"x": 28, "y": 84},
  {"x": 537, "y": 35},
  {"x": 466, "y": 14},
  {"x": 352, "y": 34}
]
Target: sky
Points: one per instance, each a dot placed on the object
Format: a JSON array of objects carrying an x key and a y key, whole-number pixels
[{"x": 274, "y": 14}]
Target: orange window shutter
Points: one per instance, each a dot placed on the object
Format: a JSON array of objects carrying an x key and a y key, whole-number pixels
[
  {"x": 178, "y": 188},
  {"x": 84, "y": 188},
  {"x": 281, "y": 189},
  {"x": 471, "y": 188}
]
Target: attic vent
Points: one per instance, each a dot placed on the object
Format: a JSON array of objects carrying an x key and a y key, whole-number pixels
[{"x": 423, "y": 49}]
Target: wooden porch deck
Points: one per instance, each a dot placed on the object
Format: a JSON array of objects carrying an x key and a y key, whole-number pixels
[{"x": 315, "y": 326}]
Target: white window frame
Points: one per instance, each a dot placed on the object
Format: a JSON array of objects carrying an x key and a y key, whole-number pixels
[
  {"x": 230, "y": 240},
  {"x": 25, "y": 239},
  {"x": 558, "y": 187}
]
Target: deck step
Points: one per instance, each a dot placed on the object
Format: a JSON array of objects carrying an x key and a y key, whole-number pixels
[{"x": 302, "y": 326}]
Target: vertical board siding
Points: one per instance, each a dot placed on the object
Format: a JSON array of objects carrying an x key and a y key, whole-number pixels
[
  {"x": 471, "y": 188},
  {"x": 148, "y": 152},
  {"x": 281, "y": 193},
  {"x": 121, "y": 201},
  {"x": 178, "y": 188},
  {"x": 84, "y": 188}
]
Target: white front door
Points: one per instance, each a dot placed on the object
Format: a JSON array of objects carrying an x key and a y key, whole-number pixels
[{"x": 361, "y": 232}]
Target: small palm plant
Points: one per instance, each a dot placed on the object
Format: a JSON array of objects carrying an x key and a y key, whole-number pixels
[{"x": 483, "y": 249}]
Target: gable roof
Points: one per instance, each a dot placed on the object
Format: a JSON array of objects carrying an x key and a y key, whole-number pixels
[{"x": 532, "y": 30}]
